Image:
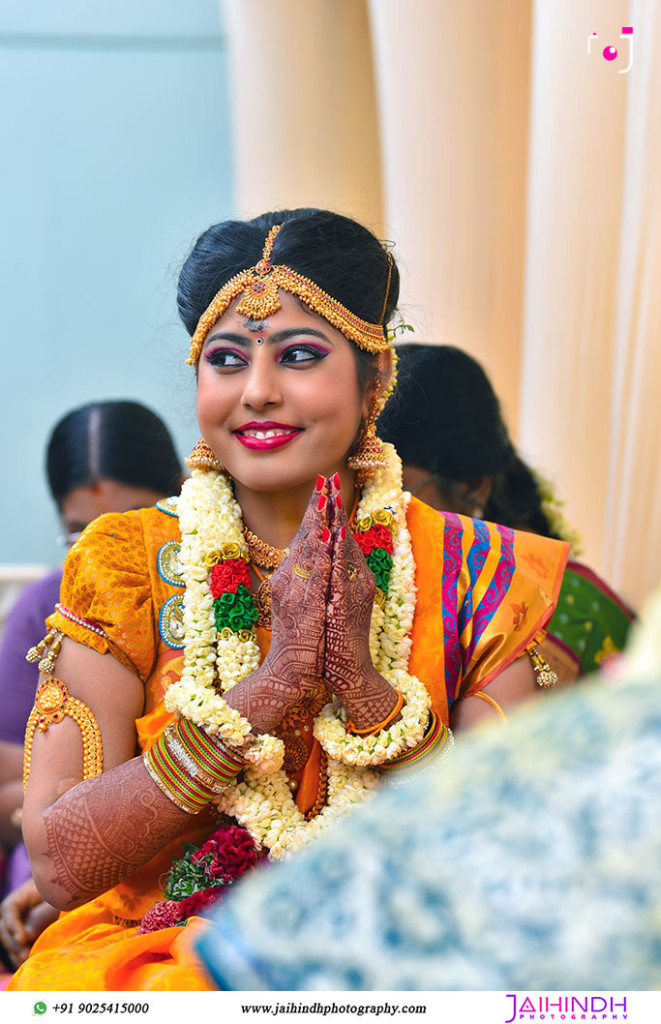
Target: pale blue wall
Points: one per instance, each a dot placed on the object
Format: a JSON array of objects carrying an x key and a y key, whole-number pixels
[{"x": 114, "y": 155}]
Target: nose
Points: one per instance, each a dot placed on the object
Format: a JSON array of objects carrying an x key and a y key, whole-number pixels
[{"x": 261, "y": 388}]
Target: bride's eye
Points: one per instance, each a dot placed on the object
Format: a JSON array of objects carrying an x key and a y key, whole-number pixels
[
  {"x": 225, "y": 359},
  {"x": 298, "y": 354}
]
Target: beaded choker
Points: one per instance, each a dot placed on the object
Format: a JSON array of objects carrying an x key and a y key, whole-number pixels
[
  {"x": 262, "y": 554},
  {"x": 260, "y": 285}
]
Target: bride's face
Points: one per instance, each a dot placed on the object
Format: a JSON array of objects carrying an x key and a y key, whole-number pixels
[{"x": 279, "y": 401}]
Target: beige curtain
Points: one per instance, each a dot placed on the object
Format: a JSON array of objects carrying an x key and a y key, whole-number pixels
[
  {"x": 305, "y": 128},
  {"x": 632, "y": 538},
  {"x": 591, "y": 349}
]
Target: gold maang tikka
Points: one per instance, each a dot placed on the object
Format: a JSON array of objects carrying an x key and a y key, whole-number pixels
[{"x": 259, "y": 286}]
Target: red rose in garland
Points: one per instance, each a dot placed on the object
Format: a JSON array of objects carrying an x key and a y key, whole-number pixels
[
  {"x": 377, "y": 536},
  {"x": 226, "y": 577}
]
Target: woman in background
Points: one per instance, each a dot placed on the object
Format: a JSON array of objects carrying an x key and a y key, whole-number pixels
[
  {"x": 446, "y": 424},
  {"x": 102, "y": 457}
]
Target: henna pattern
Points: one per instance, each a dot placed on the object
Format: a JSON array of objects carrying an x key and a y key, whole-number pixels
[
  {"x": 103, "y": 829},
  {"x": 348, "y": 664},
  {"x": 295, "y": 662}
]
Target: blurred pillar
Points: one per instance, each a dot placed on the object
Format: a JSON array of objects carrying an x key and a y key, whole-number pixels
[
  {"x": 453, "y": 82},
  {"x": 305, "y": 127}
]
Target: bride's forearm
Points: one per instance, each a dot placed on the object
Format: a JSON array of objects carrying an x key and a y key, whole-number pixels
[{"x": 99, "y": 832}]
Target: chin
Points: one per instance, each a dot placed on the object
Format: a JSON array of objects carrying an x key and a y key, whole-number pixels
[{"x": 283, "y": 477}]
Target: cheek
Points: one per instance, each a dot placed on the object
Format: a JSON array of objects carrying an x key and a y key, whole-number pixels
[
  {"x": 213, "y": 402},
  {"x": 337, "y": 398}
]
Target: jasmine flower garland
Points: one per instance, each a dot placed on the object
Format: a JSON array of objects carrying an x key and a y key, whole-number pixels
[{"x": 220, "y": 638}]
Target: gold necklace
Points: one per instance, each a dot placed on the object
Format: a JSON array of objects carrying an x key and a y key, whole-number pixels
[{"x": 262, "y": 554}]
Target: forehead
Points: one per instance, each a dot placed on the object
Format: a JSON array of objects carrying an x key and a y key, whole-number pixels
[{"x": 293, "y": 313}]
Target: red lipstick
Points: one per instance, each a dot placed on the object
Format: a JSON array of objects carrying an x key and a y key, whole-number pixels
[{"x": 265, "y": 435}]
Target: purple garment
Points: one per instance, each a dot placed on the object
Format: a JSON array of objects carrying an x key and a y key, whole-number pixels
[
  {"x": 17, "y": 870},
  {"x": 18, "y": 678}
]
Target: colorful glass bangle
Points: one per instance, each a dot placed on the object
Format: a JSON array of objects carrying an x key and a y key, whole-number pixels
[
  {"x": 435, "y": 739},
  {"x": 187, "y": 793},
  {"x": 191, "y": 765},
  {"x": 351, "y": 729},
  {"x": 212, "y": 757}
]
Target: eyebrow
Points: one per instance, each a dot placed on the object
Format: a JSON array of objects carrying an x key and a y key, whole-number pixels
[{"x": 275, "y": 339}]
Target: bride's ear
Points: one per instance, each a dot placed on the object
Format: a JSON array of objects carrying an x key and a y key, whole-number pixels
[
  {"x": 386, "y": 369},
  {"x": 384, "y": 379},
  {"x": 375, "y": 393}
]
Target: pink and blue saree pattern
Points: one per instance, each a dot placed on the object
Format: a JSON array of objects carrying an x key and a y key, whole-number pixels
[{"x": 466, "y": 619}]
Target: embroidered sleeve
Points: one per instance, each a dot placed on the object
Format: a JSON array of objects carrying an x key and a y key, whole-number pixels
[{"x": 105, "y": 598}]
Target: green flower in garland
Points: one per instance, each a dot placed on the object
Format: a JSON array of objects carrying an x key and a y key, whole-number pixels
[
  {"x": 380, "y": 562},
  {"x": 235, "y": 611}
]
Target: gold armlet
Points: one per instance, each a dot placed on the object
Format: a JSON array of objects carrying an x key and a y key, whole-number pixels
[
  {"x": 544, "y": 674},
  {"x": 52, "y": 704},
  {"x": 494, "y": 704}
]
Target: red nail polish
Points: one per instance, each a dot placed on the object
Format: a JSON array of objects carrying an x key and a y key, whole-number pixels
[
  {"x": 343, "y": 532},
  {"x": 335, "y": 480},
  {"x": 326, "y": 535},
  {"x": 320, "y": 483},
  {"x": 338, "y": 500},
  {"x": 322, "y": 503}
]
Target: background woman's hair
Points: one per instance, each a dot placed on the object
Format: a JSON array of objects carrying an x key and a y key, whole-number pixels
[
  {"x": 340, "y": 255},
  {"x": 122, "y": 441},
  {"x": 445, "y": 418}
]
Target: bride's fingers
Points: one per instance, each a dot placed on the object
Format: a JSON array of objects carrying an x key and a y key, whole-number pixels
[
  {"x": 349, "y": 569},
  {"x": 303, "y": 575},
  {"x": 338, "y": 515},
  {"x": 315, "y": 517}
]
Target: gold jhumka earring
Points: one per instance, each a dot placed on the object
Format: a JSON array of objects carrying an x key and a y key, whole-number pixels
[
  {"x": 202, "y": 457},
  {"x": 368, "y": 454}
]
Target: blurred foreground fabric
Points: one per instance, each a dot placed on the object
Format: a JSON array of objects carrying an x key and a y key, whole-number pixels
[{"x": 530, "y": 860}]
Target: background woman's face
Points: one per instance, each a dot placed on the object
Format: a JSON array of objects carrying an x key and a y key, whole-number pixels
[
  {"x": 279, "y": 402},
  {"x": 83, "y": 504}
]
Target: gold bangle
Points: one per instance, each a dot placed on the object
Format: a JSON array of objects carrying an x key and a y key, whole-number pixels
[
  {"x": 351, "y": 729},
  {"x": 52, "y": 704},
  {"x": 494, "y": 704}
]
